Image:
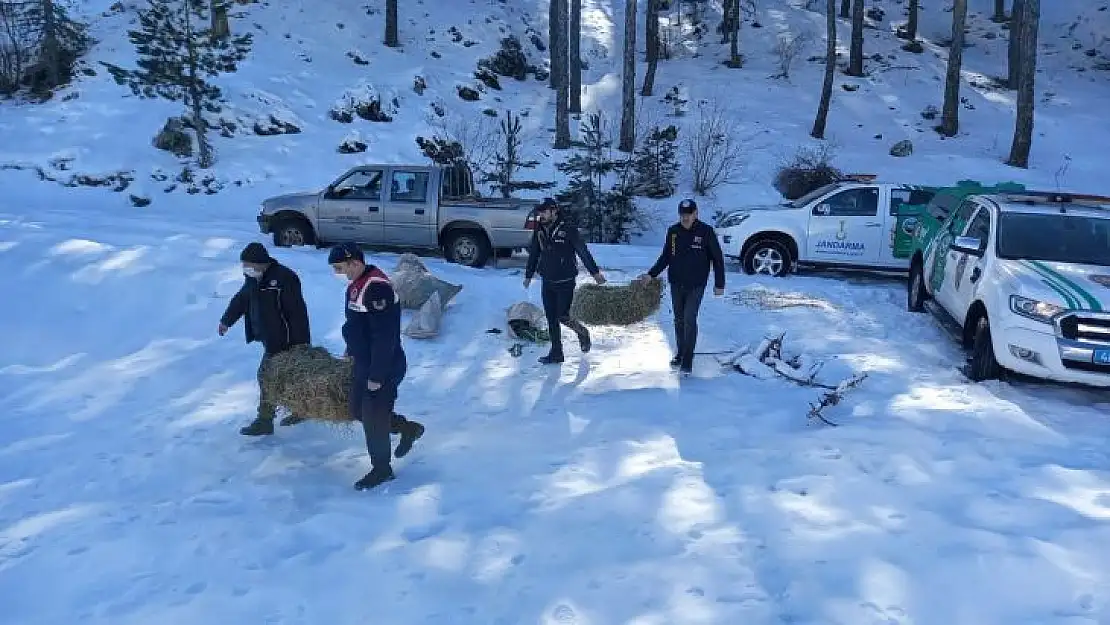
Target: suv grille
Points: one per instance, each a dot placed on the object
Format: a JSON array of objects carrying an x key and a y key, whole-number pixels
[{"x": 1075, "y": 327}]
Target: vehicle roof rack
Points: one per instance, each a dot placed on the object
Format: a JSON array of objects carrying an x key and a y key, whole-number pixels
[
  {"x": 858, "y": 177},
  {"x": 1031, "y": 198}
]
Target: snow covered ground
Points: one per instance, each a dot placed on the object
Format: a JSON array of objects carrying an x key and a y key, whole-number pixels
[{"x": 602, "y": 492}]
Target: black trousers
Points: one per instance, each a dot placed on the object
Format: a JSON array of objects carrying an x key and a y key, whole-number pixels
[
  {"x": 377, "y": 416},
  {"x": 686, "y": 302},
  {"x": 557, "y": 298}
]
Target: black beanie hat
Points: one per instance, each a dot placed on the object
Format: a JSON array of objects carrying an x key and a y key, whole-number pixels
[{"x": 255, "y": 253}]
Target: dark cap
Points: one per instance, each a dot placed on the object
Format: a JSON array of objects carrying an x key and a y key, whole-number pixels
[
  {"x": 255, "y": 253},
  {"x": 687, "y": 207},
  {"x": 548, "y": 204},
  {"x": 344, "y": 252}
]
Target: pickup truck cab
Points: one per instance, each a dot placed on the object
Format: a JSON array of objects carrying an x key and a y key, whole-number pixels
[
  {"x": 852, "y": 223},
  {"x": 403, "y": 206},
  {"x": 1023, "y": 280}
]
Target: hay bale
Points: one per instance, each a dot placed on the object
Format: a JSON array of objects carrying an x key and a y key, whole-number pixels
[
  {"x": 414, "y": 284},
  {"x": 621, "y": 305},
  {"x": 310, "y": 383}
]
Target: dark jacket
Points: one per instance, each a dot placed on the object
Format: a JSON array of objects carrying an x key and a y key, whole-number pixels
[
  {"x": 553, "y": 250},
  {"x": 687, "y": 255},
  {"x": 373, "y": 329},
  {"x": 274, "y": 310}
]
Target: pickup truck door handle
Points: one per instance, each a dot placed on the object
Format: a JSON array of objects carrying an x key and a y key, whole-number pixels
[
  {"x": 372, "y": 209},
  {"x": 873, "y": 224},
  {"x": 420, "y": 211}
]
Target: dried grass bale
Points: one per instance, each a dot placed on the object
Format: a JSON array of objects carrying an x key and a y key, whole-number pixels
[
  {"x": 620, "y": 305},
  {"x": 414, "y": 284},
  {"x": 528, "y": 323},
  {"x": 309, "y": 382}
]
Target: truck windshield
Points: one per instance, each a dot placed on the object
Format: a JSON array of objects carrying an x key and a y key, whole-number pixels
[
  {"x": 804, "y": 201},
  {"x": 1053, "y": 237}
]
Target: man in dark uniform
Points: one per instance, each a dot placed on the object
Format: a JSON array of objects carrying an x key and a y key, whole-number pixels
[
  {"x": 555, "y": 244},
  {"x": 690, "y": 248},
  {"x": 276, "y": 316},
  {"x": 373, "y": 335}
]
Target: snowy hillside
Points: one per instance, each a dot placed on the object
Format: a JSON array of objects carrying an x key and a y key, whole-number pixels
[
  {"x": 603, "y": 492},
  {"x": 307, "y": 63}
]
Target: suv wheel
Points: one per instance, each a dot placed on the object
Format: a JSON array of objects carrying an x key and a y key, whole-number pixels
[
  {"x": 292, "y": 233},
  {"x": 467, "y": 247},
  {"x": 982, "y": 365},
  {"x": 915, "y": 290},
  {"x": 767, "y": 257}
]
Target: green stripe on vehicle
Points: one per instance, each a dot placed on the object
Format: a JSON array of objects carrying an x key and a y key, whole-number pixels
[
  {"x": 1091, "y": 301},
  {"x": 1055, "y": 285}
]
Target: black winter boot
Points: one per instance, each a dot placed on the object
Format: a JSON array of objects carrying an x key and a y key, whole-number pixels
[
  {"x": 410, "y": 433},
  {"x": 376, "y": 477},
  {"x": 261, "y": 426}
]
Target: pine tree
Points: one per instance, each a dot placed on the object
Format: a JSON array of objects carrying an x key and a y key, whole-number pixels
[
  {"x": 950, "y": 110},
  {"x": 391, "y": 38},
  {"x": 1026, "y": 78},
  {"x": 822, "y": 119},
  {"x": 628, "y": 80},
  {"x": 603, "y": 215},
  {"x": 655, "y": 164},
  {"x": 855, "y": 44},
  {"x": 575, "y": 62},
  {"x": 177, "y": 56},
  {"x": 509, "y": 160},
  {"x": 651, "y": 39}
]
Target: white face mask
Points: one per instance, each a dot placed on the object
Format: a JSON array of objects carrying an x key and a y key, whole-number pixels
[
  {"x": 342, "y": 277},
  {"x": 251, "y": 272}
]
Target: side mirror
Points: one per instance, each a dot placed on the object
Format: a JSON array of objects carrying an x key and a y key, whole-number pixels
[{"x": 967, "y": 245}]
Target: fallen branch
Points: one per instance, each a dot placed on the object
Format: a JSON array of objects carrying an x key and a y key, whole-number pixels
[{"x": 833, "y": 398}]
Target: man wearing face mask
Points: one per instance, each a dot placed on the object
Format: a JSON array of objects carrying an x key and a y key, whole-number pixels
[
  {"x": 372, "y": 331},
  {"x": 275, "y": 314}
]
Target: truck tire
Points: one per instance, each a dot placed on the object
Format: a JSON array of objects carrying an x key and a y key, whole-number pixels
[
  {"x": 292, "y": 233},
  {"x": 767, "y": 257},
  {"x": 981, "y": 364},
  {"x": 915, "y": 289},
  {"x": 467, "y": 247}
]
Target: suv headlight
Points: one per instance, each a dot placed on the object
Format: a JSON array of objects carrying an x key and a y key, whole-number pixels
[
  {"x": 1034, "y": 309},
  {"x": 734, "y": 219}
]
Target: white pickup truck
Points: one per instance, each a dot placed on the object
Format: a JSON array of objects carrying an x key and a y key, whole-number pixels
[
  {"x": 845, "y": 224},
  {"x": 1023, "y": 280}
]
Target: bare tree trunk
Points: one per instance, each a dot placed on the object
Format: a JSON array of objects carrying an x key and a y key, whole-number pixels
[
  {"x": 51, "y": 46},
  {"x": 220, "y": 29},
  {"x": 845, "y": 8},
  {"x": 391, "y": 38},
  {"x": 999, "y": 11},
  {"x": 575, "y": 61},
  {"x": 651, "y": 38},
  {"x": 734, "y": 36},
  {"x": 561, "y": 77},
  {"x": 628, "y": 91},
  {"x": 1023, "y": 127},
  {"x": 192, "y": 99},
  {"x": 553, "y": 36},
  {"x": 822, "y": 119},
  {"x": 855, "y": 49},
  {"x": 911, "y": 22},
  {"x": 1017, "y": 14},
  {"x": 950, "y": 112}
]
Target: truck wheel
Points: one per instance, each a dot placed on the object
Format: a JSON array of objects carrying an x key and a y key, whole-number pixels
[
  {"x": 768, "y": 257},
  {"x": 467, "y": 247},
  {"x": 292, "y": 233},
  {"x": 981, "y": 365},
  {"x": 915, "y": 290}
]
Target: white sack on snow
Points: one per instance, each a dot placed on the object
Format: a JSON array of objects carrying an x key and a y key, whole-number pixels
[
  {"x": 425, "y": 323},
  {"x": 531, "y": 315},
  {"x": 414, "y": 284}
]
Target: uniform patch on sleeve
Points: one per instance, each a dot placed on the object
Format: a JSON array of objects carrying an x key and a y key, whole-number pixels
[{"x": 379, "y": 304}]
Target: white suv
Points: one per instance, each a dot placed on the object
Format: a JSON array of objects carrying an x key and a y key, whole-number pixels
[{"x": 1024, "y": 280}]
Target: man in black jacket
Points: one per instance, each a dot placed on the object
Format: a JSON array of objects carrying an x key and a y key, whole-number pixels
[
  {"x": 690, "y": 248},
  {"x": 555, "y": 244},
  {"x": 275, "y": 315},
  {"x": 372, "y": 331}
]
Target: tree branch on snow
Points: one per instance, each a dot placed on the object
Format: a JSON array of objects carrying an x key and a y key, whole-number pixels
[
  {"x": 787, "y": 49},
  {"x": 832, "y": 398}
]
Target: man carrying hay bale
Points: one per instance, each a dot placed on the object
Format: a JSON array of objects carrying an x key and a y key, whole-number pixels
[
  {"x": 373, "y": 334},
  {"x": 275, "y": 315},
  {"x": 555, "y": 245},
  {"x": 690, "y": 248}
]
